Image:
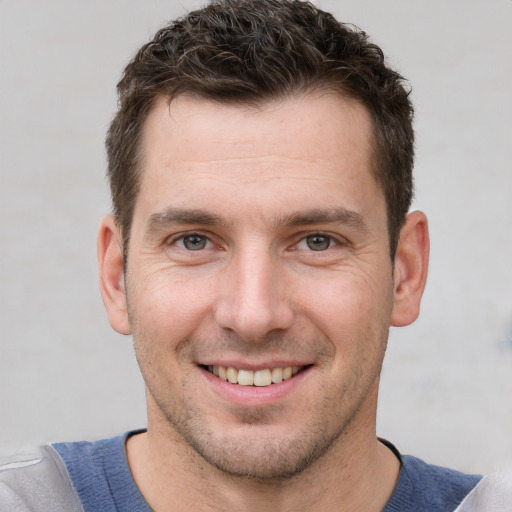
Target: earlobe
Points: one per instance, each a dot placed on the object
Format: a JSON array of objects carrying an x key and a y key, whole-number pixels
[
  {"x": 110, "y": 263},
  {"x": 410, "y": 271}
]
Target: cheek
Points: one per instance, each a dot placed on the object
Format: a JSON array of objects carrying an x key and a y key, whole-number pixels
[
  {"x": 350, "y": 311},
  {"x": 166, "y": 308},
  {"x": 339, "y": 297}
]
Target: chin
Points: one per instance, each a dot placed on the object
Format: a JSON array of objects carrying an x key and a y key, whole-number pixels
[{"x": 259, "y": 453}]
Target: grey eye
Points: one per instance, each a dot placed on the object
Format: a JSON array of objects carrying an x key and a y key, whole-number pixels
[
  {"x": 194, "y": 242},
  {"x": 318, "y": 242}
]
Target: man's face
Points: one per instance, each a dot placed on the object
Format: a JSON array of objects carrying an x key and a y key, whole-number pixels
[{"x": 259, "y": 244}]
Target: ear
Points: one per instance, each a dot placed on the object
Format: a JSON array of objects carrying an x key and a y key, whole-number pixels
[
  {"x": 110, "y": 262},
  {"x": 410, "y": 272}
]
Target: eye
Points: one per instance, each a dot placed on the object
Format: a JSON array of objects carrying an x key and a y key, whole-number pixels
[
  {"x": 193, "y": 242},
  {"x": 316, "y": 242}
]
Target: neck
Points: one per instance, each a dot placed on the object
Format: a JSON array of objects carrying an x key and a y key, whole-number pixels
[{"x": 357, "y": 471}]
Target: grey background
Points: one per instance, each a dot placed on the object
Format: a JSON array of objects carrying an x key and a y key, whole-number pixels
[{"x": 64, "y": 375}]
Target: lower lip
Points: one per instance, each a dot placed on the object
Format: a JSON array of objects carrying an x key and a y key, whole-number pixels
[{"x": 254, "y": 396}]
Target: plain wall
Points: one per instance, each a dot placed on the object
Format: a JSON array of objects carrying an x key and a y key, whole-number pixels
[{"x": 65, "y": 375}]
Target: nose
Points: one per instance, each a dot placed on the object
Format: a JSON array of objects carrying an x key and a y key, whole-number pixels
[{"x": 254, "y": 300}]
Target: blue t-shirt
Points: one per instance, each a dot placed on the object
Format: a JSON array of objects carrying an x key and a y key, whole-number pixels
[
  {"x": 100, "y": 475},
  {"x": 102, "y": 480}
]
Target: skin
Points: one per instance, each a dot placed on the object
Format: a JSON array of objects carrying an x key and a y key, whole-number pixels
[{"x": 253, "y": 187}]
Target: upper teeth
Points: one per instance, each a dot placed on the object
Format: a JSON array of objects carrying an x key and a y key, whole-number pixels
[{"x": 263, "y": 377}]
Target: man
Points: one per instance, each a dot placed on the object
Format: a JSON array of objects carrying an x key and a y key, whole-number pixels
[{"x": 261, "y": 173}]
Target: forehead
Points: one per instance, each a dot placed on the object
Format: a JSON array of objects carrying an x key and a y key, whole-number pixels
[
  {"x": 291, "y": 148},
  {"x": 324, "y": 118}
]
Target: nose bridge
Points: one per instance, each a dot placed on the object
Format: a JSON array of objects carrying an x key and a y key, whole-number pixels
[{"x": 253, "y": 301}]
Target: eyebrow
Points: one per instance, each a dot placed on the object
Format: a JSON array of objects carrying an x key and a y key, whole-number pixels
[
  {"x": 324, "y": 216},
  {"x": 163, "y": 219}
]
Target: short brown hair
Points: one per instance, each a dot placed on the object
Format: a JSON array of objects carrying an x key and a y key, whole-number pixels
[{"x": 252, "y": 51}]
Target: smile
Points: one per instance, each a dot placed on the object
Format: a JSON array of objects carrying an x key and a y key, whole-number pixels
[{"x": 260, "y": 378}]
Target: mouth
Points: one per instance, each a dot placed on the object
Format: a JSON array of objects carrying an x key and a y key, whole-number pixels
[{"x": 260, "y": 378}]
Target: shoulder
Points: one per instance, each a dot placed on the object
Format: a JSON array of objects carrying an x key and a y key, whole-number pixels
[
  {"x": 424, "y": 487},
  {"x": 83, "y": 476},
  {"x": 492, "y": 494},
  {"x": 37, "y": 482},
  {"x": 100, "y": 474}
]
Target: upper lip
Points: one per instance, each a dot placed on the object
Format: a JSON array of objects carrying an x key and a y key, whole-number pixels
[{"x": 246, "y": 365}]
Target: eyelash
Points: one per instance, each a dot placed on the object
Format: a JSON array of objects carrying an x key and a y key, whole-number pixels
[
  {"x": 181, "y": 238},
  {"x": 333, "y": 241}
]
